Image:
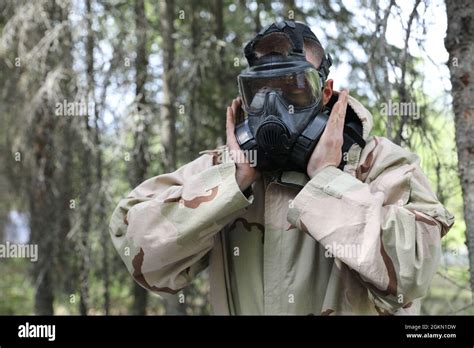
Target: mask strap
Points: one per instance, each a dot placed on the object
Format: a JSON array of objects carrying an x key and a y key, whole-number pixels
[{"x": 324, "y": 67}]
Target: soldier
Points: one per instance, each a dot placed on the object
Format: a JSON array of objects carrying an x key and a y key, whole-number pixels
[{"x": 330, "y": 220}]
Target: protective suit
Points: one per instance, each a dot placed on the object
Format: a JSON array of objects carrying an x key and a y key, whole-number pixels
[{"x": 362, "y": 240}]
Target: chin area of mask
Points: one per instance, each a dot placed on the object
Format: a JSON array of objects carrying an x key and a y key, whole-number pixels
[{"x": 274, "y": 131}]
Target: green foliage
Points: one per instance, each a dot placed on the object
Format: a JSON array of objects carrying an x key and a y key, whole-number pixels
[
  {"x": 16, "y": 289},
  {"x": 449, "y": 293}
]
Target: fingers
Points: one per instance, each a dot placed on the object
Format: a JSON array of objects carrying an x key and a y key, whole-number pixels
[
  {"x": 237, "y": 109},
  {"x": 333, "y": 134},
  {"x": 232, "y": 113},
  {"x": 235, "y": 152},
  {"x": 230, "y": 126},
  {"x": 338, "y": 113},
  {"x": 343, "y": 100}
]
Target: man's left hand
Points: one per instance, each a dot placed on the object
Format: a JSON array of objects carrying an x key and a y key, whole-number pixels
[{"x": 328, "y": 150}]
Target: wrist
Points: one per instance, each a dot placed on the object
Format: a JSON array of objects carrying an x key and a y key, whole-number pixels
[
  {"x": 243, "y": 182},
  {"x": 317, "y": 168}
]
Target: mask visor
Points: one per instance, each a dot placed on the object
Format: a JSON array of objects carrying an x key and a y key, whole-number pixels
[{"x": 298, "y": 86}]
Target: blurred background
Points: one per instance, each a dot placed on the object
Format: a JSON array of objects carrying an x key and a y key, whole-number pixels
[{"x": 98, "y": 95}]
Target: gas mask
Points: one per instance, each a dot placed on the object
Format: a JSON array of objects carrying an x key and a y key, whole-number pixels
[{"x": 282, "y": 99}]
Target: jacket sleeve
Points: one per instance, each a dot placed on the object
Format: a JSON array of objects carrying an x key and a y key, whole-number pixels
[
  {"x": 387, "y": 229},
  {"x": 165, "y": 228}
]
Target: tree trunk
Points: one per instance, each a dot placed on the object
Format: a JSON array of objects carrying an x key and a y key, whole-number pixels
[
  {"x": 192, "y": 130},
  {"x": 140, "y": 151},
  {"x": 101, "y": 205},
  {"x": 221, "y": 70},
  {"x": 403, "y": 91},
  {"x": 42, "y": 210},
  {"x": 99, "y": 107},
  {"x": 66, "y": 194},
  {"x": 44, "y": 190},
  {"x": 459, "y": 43},
  {"x": 101, "y": 218},
  {"x": 258, "y": 23},
  {"x": 168, "y": 115},
  {"x": 86, "y": 202}
]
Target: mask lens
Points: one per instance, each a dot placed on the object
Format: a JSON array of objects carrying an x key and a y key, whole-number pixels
[{"x": 299, "y": 89}]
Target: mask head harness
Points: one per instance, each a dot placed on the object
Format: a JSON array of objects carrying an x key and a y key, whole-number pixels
[
  {"x": 295, "y": 33},
  {"x": 282, "y": 97}
]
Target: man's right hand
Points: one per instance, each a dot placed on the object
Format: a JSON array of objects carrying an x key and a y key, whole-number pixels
[{"x": 244, "y": 174}]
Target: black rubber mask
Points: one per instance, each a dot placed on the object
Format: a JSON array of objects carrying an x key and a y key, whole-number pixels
[
  {"x": 282, "y": 98},
  {"x": 275, "y": 130}
]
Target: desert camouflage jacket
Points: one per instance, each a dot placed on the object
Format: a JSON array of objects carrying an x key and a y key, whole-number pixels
[{"x": 365, "y": 240}]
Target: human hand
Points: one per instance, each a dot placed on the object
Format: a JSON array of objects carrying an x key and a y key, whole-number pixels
[
  {"x": 328, "y": 150},
  {"x": 245, "y": 174}
]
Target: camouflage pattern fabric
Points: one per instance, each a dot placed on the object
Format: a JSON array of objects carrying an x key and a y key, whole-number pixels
[{"x": 366, "y": 240}]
